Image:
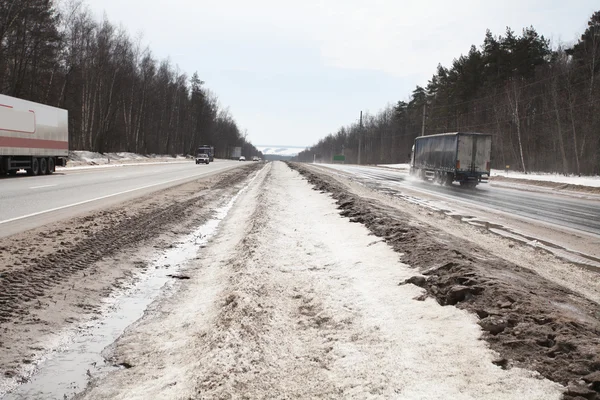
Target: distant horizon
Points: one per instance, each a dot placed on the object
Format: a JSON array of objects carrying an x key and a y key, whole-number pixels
[
  {"x": 281, "y": 145},
  {"x": 286, "y": 151}
]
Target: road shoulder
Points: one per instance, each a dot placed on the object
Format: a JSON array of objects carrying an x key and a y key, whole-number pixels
[
  {"x": 531, "y": 320},
  {"x": 55, "y": 279},
  {"x": 291, "y": 300}
]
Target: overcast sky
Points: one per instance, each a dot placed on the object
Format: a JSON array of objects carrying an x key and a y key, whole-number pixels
[{"x": 291, "y": 72}]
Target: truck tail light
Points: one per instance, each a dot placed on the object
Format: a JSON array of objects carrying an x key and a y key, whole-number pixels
[
  {"x": 487, "y": 166},
  {"x": 458, "y": 164}
]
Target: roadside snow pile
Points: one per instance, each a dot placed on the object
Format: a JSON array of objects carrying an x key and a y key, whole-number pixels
[
  {"x": 81, "y": 157},
  {"x": 88, "y": 157},
  {"x": 593, "y": 181},
  {"x": 531, "y": 321}
]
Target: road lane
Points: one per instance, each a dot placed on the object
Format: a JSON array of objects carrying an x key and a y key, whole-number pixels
[
  {"x": 28, "y": 202},
  {"x": 568, "y": 212}
]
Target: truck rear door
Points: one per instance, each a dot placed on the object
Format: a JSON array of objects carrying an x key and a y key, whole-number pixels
[
  {"x": 464, "y": 155},
  {"x": 483, "y": 153},
  {"x": 474, "y": 152}
]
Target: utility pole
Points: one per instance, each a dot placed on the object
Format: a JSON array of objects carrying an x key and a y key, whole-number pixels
[
  {"x": 423, "y": 125},
  {"x": 359, "y": 137}
]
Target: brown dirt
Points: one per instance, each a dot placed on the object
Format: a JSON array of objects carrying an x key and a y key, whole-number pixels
[
  {"x": 55, "y": 276},
  {"x": 554, "y": 185},
  {"x": 530, "y": 321}
]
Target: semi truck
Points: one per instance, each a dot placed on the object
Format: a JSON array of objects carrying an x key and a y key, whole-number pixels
[
  {"x": 445, "y": 158},
  {"x": 208, "y": 150},
  {"x": 33, "y": 137}
]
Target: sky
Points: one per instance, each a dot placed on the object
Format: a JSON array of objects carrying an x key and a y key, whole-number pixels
[{"x": 291, "y": 72}]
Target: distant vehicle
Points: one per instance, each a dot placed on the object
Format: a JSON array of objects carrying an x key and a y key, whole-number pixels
[
  {"x": 208, "y": 150},
  {"x": 449, "y": 157},
  {"x": 33, "y": 137},
  {"x": 242, "y": 158},
  {"x": 255, "y": 158},
  {"x": 202, "y": 158},
  {"x": 236, "y": 153}
]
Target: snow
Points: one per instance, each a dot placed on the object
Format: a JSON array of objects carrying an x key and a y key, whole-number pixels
[
  {"x": 291, "y": 300},
  {"x": 102, "y": 158},
  {"x": 593, "y": 181},
  {"x": 87, "y": 159}
]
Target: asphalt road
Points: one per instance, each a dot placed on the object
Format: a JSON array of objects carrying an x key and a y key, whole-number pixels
[
  {"x": 568, "y": 212},
  {"x": 29, "y": 202}
]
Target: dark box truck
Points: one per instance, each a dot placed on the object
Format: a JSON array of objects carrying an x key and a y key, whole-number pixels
[{"x": 452, "y": 157}]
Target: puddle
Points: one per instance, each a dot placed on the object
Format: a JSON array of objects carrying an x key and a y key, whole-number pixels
[{"x": 66, "y": 371}]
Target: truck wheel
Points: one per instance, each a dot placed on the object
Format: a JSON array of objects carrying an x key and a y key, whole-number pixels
[
  {"x": 51, "y": 166},
  {"x": 35, "y": 167},
  {"x": 12, "y": 172},
  {"x": 43, "y": 166}
]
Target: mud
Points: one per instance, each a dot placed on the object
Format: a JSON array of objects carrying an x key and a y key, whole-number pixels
[
  {"x": 56, "y": 277},
  {"x": 531, "y": 322}
]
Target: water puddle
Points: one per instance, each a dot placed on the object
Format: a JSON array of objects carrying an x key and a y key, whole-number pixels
[{"x": 66, "y": 371}]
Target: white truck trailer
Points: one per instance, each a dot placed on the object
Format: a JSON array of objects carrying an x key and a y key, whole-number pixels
[{"x": 33, "y": 137}]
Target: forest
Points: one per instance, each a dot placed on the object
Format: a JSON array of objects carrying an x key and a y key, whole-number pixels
[
  {"x": 541, "y": 104},
  {"x": 120, "y": 97}
]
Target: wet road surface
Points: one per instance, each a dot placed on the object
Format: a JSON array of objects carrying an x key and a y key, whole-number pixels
[{"x": 569, "y": 212}]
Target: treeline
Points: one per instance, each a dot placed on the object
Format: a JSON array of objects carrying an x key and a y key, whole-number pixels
[
  {"x": 119, "y": 96},
  {"x": 541, "y": 105}
]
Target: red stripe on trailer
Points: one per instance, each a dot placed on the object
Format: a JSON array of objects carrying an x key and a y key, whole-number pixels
[{"x": 33, "y": 143}]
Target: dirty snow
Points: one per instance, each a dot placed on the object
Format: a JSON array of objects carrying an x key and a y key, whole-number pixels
[
  {"x": 293, "y": 301},
  {"x": 593, "y": 181},
  {"x": 79, "y": 158}
]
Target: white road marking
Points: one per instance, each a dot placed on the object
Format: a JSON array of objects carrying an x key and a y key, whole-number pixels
[
  {"x": 100, "y": 198},
  {"x": 39, "y": 187}
]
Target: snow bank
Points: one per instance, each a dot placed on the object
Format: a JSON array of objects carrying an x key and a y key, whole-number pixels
[
  {"x": 80, "y": 158},
  {"x": 593, "y": 181}
]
